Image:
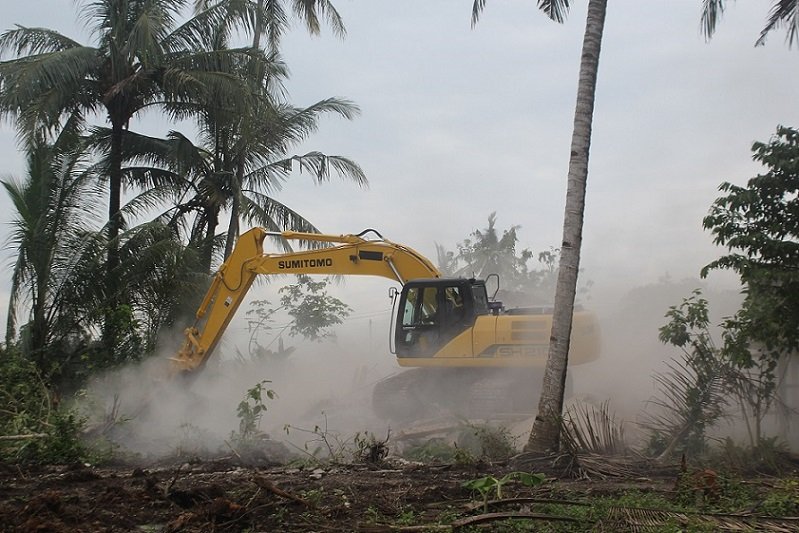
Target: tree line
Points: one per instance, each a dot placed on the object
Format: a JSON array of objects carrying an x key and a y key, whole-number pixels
[{"x": 90, "y": 290}]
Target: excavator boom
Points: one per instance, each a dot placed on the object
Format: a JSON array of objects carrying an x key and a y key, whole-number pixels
[{"x": 343, "y": 255}]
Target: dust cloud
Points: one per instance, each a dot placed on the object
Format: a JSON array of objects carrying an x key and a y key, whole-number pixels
[
  {"x": 632, "y": 355},
  {"x": 328, "y": 385}
]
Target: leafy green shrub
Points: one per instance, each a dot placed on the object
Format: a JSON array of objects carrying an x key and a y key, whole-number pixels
[
  {"x": 770, "y": 456},
  {"x": 783, "y": 500},
  {"x": 63, "y": 444},
  {"x": 25, "y": 399},
  {"x": 49, "y": 433}
]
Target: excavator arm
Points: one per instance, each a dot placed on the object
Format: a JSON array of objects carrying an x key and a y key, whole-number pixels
[{"x": 345, "y": 255}]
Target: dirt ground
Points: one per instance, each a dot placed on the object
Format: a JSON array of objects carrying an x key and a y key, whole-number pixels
[{"x": 222, "y": 496}]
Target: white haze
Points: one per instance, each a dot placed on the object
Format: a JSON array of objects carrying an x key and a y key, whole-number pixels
[{"x": 329, "y": 384}]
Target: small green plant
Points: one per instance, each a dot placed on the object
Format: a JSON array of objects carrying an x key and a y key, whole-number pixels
[
  {"x": 63, "y": 444},
  {"x": 407, "y": 518},
  {"x": 312, "y": 496},
  {"x": 693, "y": 395},
  {"x": 40, "y": 425},
  {"x": 372, "y": 515},
  {"x": 463, "y": 457},
  {"x": 439, "y": 450},
  {"x": 250, "y": 411},
  {"x": 490, "y": 484},
  {"x": 770, "y": 456}
]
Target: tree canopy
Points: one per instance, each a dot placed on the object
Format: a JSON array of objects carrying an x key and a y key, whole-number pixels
[{"x": 759, "y": 226}]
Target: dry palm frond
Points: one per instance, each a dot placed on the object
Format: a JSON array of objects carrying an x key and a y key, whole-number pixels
[
  {"x": 587, "y": 428},
  {"x": 587, "y": 466},
  {"x": 637, "y": 519}
]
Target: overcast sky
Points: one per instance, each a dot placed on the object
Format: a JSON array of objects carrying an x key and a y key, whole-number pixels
[{"x": 457, "y": 123}]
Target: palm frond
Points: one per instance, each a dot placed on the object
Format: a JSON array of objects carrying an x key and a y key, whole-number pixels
[
  {"x": 33, "y": 79},
  {"x": 593, "y": 429},
  {"x": 339, "y": 106},
  {"x": 311, "y": 10},
  {"x": 210, "y": 21},
  {"x": 783, "y": 13},
  {"x": 712, "y": 11},
  {"x": 692, "y": 397},
  {"x": 477, "y": 10},
  {"x": 264, "y": 211},
  {"x": 34, "y": 41},
  {"x": 318, "y": 165},
  {"x": 148, "y": 200},
  {"x": 556, "y": 10},
  {"x": 50, "y": 213}
]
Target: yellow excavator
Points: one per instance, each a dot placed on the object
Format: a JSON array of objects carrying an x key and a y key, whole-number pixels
[{"x": 469, "y": 350}]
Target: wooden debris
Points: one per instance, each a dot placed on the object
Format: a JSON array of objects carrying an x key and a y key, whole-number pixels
[
  {"x": 387, "y": 528},
  {"x": 277, "y": 491},
  {"x": 493, "y": 517}
]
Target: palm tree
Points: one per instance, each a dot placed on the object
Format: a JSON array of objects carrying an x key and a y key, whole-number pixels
[
  {"x": 250, "y": 149},
  {"x": 240, "y": 161},
  {"x": 234, "y": 169},
  {"x": 55, "y": 252},
  {"x": 164, "y": 280},
  {"x": 783, "y": 13},
  {"x": 140, "y": 58},
  {"x": 486, "y": 252},
  {"x": 545, "y": 434},
  {"x": 259, "y": 153}
]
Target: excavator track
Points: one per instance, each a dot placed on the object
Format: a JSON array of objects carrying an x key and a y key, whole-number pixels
[{"x": 422, "y": 393}]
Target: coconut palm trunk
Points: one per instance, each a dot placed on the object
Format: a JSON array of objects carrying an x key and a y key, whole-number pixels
[
  {"x": 235, "y": 209},
  {"x": 545, "y": 434},
  {"x": 114, "y": 203}
]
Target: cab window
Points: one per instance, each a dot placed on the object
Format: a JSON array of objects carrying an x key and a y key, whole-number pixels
[
  {"x": 421, "y": 307},
  {"x": 480, "y": 299}
]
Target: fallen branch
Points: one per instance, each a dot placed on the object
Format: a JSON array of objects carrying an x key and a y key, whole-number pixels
[
  {"x": 386, "y": 528},
  {"x": 492, "y": 517},
  {"x": 24, "y": 437},
  {"x": 473, "y": 506},
  {"x": 268, "y": 485},
  {"x": 232, "y": 449}
]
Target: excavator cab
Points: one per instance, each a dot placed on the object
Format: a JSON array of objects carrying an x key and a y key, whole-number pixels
[{"x": 434, "y": 311}]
